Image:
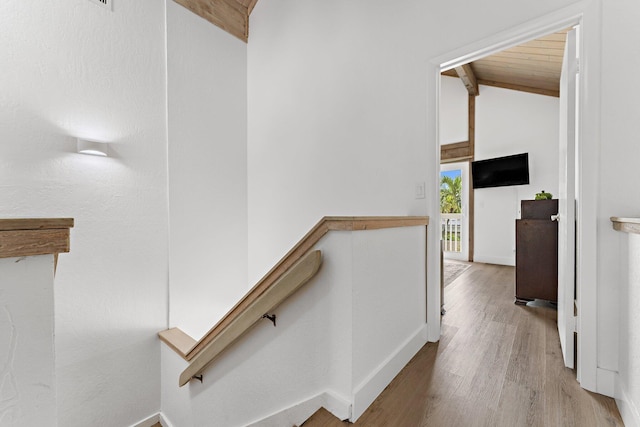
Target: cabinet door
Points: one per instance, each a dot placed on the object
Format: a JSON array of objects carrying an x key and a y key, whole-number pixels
[{"x": 536, "y": 259}]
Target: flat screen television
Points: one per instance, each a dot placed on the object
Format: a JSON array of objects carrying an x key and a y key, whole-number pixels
[{"x": 501, "y": 171}]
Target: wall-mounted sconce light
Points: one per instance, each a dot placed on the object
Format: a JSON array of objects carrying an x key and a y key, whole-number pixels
[{"x": 93, "y": 147}]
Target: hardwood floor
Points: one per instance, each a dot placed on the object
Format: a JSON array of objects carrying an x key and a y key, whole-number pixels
[{"x": 497, "y": 364}]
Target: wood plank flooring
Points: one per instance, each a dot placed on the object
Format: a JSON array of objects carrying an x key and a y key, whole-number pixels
[{"x": 497, "y": 364}]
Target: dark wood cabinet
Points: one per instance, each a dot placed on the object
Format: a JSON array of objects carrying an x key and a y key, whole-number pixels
[{"x": 537, "y": 251}]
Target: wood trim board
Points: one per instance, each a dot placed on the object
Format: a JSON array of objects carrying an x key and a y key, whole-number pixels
[
  {"x": 34, "y": 236},
  {"x": 627, "y": 225},
  {"x": 178, "y": 340},
  {"x": 456, "y": 152},
  {"x": 229, "y": 15}
]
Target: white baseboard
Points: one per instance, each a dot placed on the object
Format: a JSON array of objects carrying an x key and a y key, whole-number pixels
[
  {"x": 488, "y": 259},
  {"x": 301, "y": 411},
  {"x": 626, "y": 406},
  {"x": 164, "y": 422},
  {"x": 148, "y": 422},
  {"x": 337, "y": 405},
  {"x": 152, "y": 420},
  {"x": 367, "y": 391},
  {"x": 606, "y": 382}
]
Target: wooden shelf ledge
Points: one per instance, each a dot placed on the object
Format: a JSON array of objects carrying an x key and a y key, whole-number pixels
[
  {"x": 34, "y": 236},
  {"x": 626, "y": 225}
]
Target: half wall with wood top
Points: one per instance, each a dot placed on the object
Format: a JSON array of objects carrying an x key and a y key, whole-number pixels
[
  {"x": 28, "y": 254},
  {"x": 337, "y": 342},
  {"x": 627, "y": 380}
]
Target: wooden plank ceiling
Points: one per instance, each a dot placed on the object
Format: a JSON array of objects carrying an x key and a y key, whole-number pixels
[
  {"x": 530, "y": 67},
  {"x": 230, "y": 15}
]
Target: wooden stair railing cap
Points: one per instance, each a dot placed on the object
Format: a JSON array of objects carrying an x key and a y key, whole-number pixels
[
  {"x": 627, "y": 225},
  {"x": 34, "y": 236}
]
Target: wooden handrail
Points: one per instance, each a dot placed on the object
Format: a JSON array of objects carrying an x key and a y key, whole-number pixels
[
  {"x": 34, "y": 236},
  {"x": 189, "y": 349},
  {"x": 283, "y": 288}
]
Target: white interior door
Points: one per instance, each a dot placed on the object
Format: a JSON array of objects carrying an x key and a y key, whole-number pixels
[{"x": 566, "y": 199}]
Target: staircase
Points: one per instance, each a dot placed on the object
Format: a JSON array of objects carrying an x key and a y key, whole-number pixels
[{"x": 328, "y": 346}]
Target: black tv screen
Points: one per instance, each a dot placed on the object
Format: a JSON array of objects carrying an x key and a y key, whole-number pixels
[{"x": 501, "y": 171}]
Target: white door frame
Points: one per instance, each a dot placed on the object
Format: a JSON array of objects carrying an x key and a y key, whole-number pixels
[{"x": 587, "y": 14}]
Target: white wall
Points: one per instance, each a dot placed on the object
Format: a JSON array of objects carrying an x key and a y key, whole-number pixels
[
  {"x": 389, "y": 308},
  {"x": 74, "y": 69},
  {"x": 336, "y": 101},
  {"x": 207, "y": 104},
  {"x": 27, "y": 357},
  {"x": 512, "y": 122},
  {"x": 628, "y": 381},
  {"x": 453, "y": 110},
  {"x": 618, "y": 192}
]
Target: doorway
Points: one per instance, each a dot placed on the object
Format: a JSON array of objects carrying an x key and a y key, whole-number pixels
[
  {"x": 454, "y": 209},
  {"x": 586, "y": 371}
]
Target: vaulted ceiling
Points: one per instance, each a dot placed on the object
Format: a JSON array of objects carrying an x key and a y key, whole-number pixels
[{"x": 530, "y": 67}]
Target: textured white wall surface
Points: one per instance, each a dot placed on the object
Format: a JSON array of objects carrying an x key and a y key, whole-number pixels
[
  {"x": 27, "y": 358},
  {"x": 617, "y": 189},
  {"x": 453, "y": 110},
  {"x": 628, "y": 387},
  {"x": 277, "y": 376},
  {"x": 633, "y": 338},
  {"x": 207, "y": 94},
  {"x": 74, "y": 69},
  {"x": 389, "y": 307}
]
